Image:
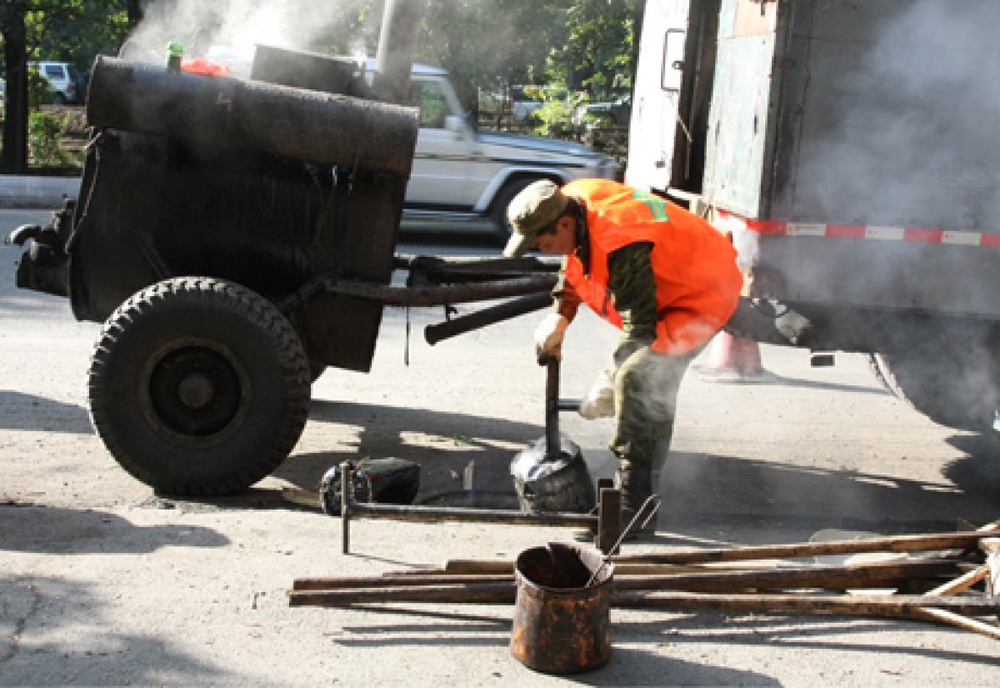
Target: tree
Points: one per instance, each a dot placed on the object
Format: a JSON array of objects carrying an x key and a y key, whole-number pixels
[
  {"x": 55, "y": 29},
  {"x": 598, "y": 55}
]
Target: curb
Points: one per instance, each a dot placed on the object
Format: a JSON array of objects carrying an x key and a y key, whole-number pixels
[{"x": 37, "y": 192}]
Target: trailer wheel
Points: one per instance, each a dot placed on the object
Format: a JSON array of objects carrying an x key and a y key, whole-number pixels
[
  {"x": 955, "y": 392},
  {"x": 199, "y": 386}
]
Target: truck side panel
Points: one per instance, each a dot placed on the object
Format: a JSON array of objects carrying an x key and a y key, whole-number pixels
[
  {"x": 743, "y": 117},
  {"x": 873, "y": 124}
]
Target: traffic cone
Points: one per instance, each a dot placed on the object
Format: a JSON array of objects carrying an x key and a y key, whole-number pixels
[{"x": 733, "y": 359}]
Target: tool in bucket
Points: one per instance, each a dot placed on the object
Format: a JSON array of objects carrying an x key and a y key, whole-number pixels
[{"x": 643, "y": 516}]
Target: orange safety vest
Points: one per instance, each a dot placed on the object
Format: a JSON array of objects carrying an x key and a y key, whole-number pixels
[{"x": 697, "y": 280}]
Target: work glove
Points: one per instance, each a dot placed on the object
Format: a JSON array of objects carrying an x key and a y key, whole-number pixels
[
  {"x": 600, "y": 400},
  {"x": 549, "y": 337}
]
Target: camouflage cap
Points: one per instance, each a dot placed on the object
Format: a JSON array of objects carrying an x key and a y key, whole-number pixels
[{"x": 536, "y": 207}]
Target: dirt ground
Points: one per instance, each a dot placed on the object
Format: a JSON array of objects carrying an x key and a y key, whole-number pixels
[{"x": 106, "y": 583}]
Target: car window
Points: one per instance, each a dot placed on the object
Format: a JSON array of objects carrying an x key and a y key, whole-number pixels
[
  {"x": 430, "y": 98},
  {"x": 53, "y": 71}
]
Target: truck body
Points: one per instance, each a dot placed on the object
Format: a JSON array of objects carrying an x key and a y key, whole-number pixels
[{"x": 850, "y": 149}]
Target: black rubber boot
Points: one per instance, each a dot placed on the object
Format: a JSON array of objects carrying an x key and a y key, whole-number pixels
[{"x": 636, "y": 485}]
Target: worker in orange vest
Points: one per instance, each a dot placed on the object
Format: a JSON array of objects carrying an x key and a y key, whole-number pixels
[{"x": 663, "y": 275}]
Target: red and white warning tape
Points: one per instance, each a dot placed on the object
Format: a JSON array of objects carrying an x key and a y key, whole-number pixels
[{"x": 733, "y": 222}]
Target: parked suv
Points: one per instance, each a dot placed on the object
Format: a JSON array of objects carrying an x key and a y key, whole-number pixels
[
  {"x": 66, "y": 81},
  {"x": 464, "y": 178}
]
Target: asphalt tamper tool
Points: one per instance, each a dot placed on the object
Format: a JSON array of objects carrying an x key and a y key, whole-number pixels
[
  {"x": 553, "y": 485},
  {"x": 551, "y": 475}
]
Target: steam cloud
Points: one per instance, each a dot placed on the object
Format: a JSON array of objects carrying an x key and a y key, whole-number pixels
[
  {"x": 899, "y": 129},
  {"x": 237, "y": 25}
]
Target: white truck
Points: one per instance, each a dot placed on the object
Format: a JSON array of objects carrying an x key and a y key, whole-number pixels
[{"x": 851, "y": 149}]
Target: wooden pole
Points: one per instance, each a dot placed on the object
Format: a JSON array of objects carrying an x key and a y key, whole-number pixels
[
  {"x": 903, "y": 606},
  {"x": 875, "y": 575},
  {"x": 897, "y": 543},
  {"x": 468, "y": 593}
]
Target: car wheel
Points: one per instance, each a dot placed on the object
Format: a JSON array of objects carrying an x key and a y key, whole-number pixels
[
  {"x": 499, "y": 209},
  {"x": 199, "y": 386},
  {"x": 59, "y": 99}
]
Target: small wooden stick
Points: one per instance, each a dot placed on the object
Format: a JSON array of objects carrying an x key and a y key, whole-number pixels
[
  {"x": 991, "y": 547},
  {"x": 962, "y": 583},
  {"x": 963, "y": 622}
]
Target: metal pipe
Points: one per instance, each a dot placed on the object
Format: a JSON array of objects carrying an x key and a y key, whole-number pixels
[
  {"x": 553, "y": 443},
  {"x": 396, "y": 46},
  {"x": 485, "y": 317},
  {"x": 440, "y": 295}
]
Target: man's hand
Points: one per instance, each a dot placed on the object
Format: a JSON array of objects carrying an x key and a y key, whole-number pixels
[{"x": 549, "y": 337}]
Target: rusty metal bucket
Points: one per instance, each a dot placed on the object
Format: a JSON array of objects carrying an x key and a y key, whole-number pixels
[{"x": 562, "y": 624}]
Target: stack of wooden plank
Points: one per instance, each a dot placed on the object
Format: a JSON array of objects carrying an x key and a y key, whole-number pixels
[{"x": 949, "y": 578}]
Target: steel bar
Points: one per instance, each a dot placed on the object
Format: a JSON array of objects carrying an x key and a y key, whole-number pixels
[
  {"x": 898, "y": 543},
  {"x": 397, "y": 512}
]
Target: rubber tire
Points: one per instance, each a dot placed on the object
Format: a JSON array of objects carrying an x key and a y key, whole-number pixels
[
  {"x": 955, "y": 392},
  {"x": 502, "y": 200},
  {"x": 239, "y": 426}
]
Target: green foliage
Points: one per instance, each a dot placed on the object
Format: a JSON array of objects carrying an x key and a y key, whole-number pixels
[
  {"x": 45, "y": 132},
  {"x": 597, "y": 56},
  {"x": 39, "y": 90},
  {"x": 75, "y": 30},
  {"x": 556, "y": 117}
]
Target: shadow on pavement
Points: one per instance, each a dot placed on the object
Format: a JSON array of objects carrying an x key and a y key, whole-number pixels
[
  {"x": 77, "y": 629},
  {"x": 52, "y": 530},
  {"x": 708, "y": 494},
  {"x": 29, "y": 412}
]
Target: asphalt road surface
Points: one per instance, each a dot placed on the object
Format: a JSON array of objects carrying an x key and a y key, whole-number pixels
[{"x": 104, "y": 582}]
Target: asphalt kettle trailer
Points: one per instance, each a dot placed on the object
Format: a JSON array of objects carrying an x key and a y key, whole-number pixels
[
  {"x": 850, "y": 150},
  {"x": 236, "y": 236}
]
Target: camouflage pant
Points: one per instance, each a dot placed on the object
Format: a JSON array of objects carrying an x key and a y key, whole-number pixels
[{"x": 646, "y": 385}]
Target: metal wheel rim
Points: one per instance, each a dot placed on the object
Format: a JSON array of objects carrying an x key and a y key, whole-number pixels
[{"x": 194, "y": 392}]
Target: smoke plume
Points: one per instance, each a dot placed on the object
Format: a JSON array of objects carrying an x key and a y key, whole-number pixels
[{"x": 235, "y": 25}]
